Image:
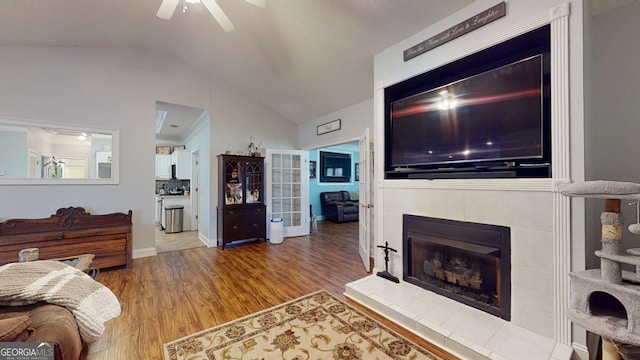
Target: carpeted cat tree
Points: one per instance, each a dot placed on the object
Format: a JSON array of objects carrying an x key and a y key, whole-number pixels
[{"x": 606, "y": 301}]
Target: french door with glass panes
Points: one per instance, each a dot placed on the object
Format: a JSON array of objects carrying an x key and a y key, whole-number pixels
[{"x": 287, "y": 194}]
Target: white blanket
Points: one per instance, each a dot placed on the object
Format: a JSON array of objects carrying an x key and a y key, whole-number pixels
[{"x": 90, "y": 302}]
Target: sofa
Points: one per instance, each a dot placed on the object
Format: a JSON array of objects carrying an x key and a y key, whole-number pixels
[
  {"x": 50, "y": 301},
  {"x": 337, "y": 206},
  {"x": 43, "y": 322}
]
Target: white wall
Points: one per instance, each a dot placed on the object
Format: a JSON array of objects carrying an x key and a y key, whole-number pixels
[
  {"x": 530, "y": 214},
  {"x": 616, "y": 92},
  {"x": 101, "y": 88},
  {"x": 200, "y": 140},
  {"x": 354, "y": 119},
  {"x": 118, "y": 89},
  {"x": 236, "y": 118},
  {"x": 616, "y": 123}
]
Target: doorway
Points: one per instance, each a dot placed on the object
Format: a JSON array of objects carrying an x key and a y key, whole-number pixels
[
  {"x": 182, "y": 139},
  {"x": 317, "y": 186},
  {"x": 357, "y": 184}
]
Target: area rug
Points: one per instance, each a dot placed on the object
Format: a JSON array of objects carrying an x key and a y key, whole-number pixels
[{"x": 315, "y": 326}]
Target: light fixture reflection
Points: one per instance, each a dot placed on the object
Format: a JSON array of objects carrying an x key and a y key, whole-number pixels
[{"x": 447, "y": 101}]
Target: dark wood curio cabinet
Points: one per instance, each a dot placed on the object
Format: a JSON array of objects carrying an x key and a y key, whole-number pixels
[{"x": 241, "y": 208}]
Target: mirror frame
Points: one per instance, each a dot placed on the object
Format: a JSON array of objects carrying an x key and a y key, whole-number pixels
[{"x": 115, "y": 154}]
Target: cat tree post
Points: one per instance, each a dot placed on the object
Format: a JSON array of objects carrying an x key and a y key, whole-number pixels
[
  {"x": 611, "y": 220},
  {"x": 609, "y": 351}
]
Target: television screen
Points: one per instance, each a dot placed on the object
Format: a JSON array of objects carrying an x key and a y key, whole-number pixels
[
  {"x": 490, "y": 116},
  {"x": 335, "y": 167}
]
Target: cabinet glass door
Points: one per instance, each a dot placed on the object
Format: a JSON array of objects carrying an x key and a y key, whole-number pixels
[
  {"x": 233, "y": 190},
  {"x": 254, "y": 182}
]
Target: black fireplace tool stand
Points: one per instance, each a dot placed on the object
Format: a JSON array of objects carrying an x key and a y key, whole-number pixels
[{"x": 386, "y": 274}]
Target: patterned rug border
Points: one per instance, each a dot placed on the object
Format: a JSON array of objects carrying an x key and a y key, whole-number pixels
[
  {"x": 165, "y": 346},
  {"x": 248, "y": 316}
]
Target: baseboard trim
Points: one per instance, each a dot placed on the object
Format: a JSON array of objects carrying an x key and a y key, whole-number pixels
[
  {"x": 146, "y": 252},
  {"x": 582, "y": 351},
  {"x": 208, "y": 242}
]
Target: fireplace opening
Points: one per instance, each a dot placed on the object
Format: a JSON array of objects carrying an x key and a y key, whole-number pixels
[{"x": 467, "y": 262}]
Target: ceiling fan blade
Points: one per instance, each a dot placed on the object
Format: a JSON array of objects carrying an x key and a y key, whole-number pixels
[
  {"x": 166, "y": 9},
  {"x": 258, "y": 3},
  {"x": 219, "y": 15}
]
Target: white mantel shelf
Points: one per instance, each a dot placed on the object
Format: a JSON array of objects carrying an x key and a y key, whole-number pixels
[{"x": 459, "y": 329}]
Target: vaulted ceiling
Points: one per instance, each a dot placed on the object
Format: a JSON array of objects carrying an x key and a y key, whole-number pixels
[{"x": 301, "y": 58}]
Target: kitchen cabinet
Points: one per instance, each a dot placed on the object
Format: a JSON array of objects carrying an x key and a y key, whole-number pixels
[
  {"x": 185, "y": 201},
  {"x": 182, "y": 160},
  {"x": 241, "y": 210},
  {"x": 163, "y": 166}
]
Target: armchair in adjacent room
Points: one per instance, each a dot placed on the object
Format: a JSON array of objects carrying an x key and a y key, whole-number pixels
[{"x": 337, "y": 206}]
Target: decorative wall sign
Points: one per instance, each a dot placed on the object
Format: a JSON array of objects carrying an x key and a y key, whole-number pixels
[
  {"x": 329, "y": 127},
  {"x": 456, "y": 31}
]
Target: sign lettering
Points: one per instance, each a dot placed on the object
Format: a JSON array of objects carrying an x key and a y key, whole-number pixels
[{"x": 457, "y": 30}]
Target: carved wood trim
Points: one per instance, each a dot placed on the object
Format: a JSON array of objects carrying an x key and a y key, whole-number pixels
[{"x": 69, "y": 232}]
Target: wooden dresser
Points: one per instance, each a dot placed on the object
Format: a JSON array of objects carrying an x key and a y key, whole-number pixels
[{"x": 69, "y": 232}]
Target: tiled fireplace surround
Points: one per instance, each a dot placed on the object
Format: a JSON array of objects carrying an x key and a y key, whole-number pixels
[
  {"x": 465, "y": 331},
  {"x": 539, "y": 221}
]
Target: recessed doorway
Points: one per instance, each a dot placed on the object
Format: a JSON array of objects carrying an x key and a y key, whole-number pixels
[{"x": 182, "y": 137}]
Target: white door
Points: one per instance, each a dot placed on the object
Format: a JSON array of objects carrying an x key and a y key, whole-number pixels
[
  {"x": 364, "y": 247},
  {"x": 287, "y": 184}
]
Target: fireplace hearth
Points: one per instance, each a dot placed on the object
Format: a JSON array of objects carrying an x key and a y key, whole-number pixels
[{"x": 467, "y": 262}]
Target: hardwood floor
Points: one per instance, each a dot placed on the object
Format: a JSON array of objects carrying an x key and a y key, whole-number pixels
[{"x": 177, "y": 293}]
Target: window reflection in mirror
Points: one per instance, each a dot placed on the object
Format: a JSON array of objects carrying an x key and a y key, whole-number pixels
[{"x": 39, "y": 153}]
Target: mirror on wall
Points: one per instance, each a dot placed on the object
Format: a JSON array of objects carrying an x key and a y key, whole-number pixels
[{"x": 47, "y": 153}]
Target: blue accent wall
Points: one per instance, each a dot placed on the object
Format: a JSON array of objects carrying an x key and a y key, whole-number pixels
[{"x": 315, "y": 187}]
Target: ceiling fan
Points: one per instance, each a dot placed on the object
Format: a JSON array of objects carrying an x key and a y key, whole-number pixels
[{"x": 168, "y": 7}]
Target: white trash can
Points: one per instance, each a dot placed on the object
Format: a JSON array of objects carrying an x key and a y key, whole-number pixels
[{"x": 276, "y": 231}]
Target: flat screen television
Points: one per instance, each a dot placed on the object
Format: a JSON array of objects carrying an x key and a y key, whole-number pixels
[
  {"x": 335, "y": 167},
  {"x": 486, "y": 115}
]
